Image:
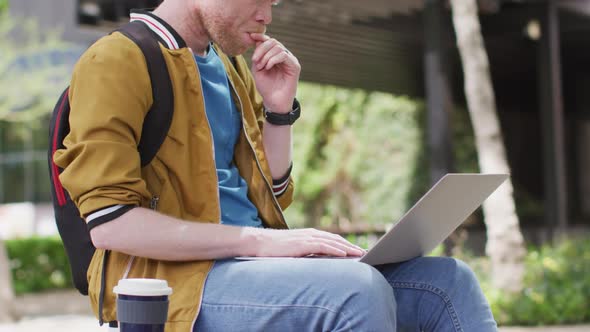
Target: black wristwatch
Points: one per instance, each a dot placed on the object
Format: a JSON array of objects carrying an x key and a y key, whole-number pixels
[{"x": 287, "y": 119}]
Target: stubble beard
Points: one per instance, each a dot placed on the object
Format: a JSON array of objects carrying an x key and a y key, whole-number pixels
[{"x": 224, "y": 36}]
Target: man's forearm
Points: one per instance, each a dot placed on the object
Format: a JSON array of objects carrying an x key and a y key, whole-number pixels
[
  {"x": 278, "y": 148},
  {"x": 145, "y": 233}
]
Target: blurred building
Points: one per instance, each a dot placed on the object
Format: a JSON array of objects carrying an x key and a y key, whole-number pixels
[{"x": 538, "y": 51}]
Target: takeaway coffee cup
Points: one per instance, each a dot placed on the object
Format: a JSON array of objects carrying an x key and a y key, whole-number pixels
[{"x": 142, "y": 304}]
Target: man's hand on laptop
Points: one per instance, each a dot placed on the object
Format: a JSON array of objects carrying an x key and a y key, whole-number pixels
[{"x": 300, "y": 243}]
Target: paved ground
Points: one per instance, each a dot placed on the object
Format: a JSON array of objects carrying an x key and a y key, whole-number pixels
[
  {"x": 578, "y": 328},
  {"x": 88, "y": 324},
  {"x": 54, "y": 303},
  {"x": 66, "y": 311},
  {"x": 55, "y": 324}
]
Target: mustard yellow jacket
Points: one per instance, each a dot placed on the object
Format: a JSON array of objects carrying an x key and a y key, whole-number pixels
[{"x": 110, "y": 94}]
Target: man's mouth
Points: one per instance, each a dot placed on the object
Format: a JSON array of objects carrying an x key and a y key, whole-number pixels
[{"x": 261, "y": 30}]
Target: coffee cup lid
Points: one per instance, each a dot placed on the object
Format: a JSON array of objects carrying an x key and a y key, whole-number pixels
[{"x": 142, "y": 287}]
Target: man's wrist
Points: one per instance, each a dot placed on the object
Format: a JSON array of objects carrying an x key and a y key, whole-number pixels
[
  {"x": 252, "y": 239},
  {"x": 282, "y": 119},
  {"x": 278, "y": 109}
]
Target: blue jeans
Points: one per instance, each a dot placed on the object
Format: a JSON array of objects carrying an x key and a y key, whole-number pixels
[{"x": 424, "y": 294}]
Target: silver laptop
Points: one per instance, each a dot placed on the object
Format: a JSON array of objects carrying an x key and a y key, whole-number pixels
[{"x": 431, "y": 220}]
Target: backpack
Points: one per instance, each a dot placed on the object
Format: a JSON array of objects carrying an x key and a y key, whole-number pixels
[{"x": 71, "y": 226}]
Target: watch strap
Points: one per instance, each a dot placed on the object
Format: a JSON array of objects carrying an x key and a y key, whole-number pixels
[{"x": 286, "y": 119}]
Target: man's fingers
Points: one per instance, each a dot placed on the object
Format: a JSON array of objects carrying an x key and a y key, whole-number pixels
[
  {"x": 336, "y": 248},
  {"x": 303, "y": 242},
  {"x": 262, "y": 47},
  {"x": 262, "y": 63},
  {"x": 259, "y": 36},
  {"x": 341, "y": 239},
  {"x": 338, "y": 238},
  {"x": 347, "y": 247},
  {"x": 279, "y": 58},
  {"x": 326, "y": 249}
]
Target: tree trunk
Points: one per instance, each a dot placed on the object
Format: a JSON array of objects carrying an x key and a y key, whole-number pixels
[
  {"x": 6, "y": 290},
  {"x": 505, "y": 244}
]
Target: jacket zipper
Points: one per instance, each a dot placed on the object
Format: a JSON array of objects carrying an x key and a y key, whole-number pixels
[
  {"x": 154, "y": 203},
  {"x": 268, "y": 185},
  {"x": 128, "y": 268},
  {"x": 216, "y": 181}
]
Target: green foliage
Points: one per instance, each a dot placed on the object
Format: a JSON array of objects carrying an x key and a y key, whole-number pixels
[
  {"x": 38, "y": 264},
  {"x": 23, "y": 175},
  {"x": 355, "y": 152},
  {"x": 362, "y": 157},
  {"x": 3, "y": 5},
  {"x": 556, "y": 286}
]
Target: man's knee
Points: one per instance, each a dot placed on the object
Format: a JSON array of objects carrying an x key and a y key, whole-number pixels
[
  {"x": 368, "y": 287},
  {"x": 370, "y": 302},
  {"x": 461, "y": 272},
  {"x": 452, "y": 275},
  {"x": 464, "y": 271}
]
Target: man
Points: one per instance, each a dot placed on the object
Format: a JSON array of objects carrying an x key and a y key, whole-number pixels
[{"x": 218, "y": 186}]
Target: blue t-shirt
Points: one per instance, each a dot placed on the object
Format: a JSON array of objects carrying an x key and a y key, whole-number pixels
[{"x": 225, "y": 122}]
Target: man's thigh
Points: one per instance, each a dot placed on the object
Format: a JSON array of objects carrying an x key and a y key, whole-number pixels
[{"x": 284, "y": 294}]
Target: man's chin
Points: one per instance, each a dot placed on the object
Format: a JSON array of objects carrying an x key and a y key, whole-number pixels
[
  {"x": 235, "y": 46},
  {"x": 234, "y": 51}
]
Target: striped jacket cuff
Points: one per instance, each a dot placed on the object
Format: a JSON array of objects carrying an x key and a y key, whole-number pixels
[
  {"x": 107, "y": 214},
  {"x": 279, "y": 186}
]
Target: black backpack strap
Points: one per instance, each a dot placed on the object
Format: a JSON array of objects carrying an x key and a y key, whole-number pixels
[{"x": 159, "y": 117}]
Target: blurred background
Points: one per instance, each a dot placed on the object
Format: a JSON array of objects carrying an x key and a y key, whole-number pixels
[{"x": 395, "y": 95}]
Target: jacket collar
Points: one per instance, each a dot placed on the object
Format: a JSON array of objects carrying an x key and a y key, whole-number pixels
[{"x": 165, "y": 33}]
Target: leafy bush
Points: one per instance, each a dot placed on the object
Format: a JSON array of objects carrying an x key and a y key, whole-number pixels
[
  {"x": 556, "y": 287},
  {"x": 38, "y": 264}
]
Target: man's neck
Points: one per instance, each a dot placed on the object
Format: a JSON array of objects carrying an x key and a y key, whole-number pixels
[{"x": 190, "y": 28}]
